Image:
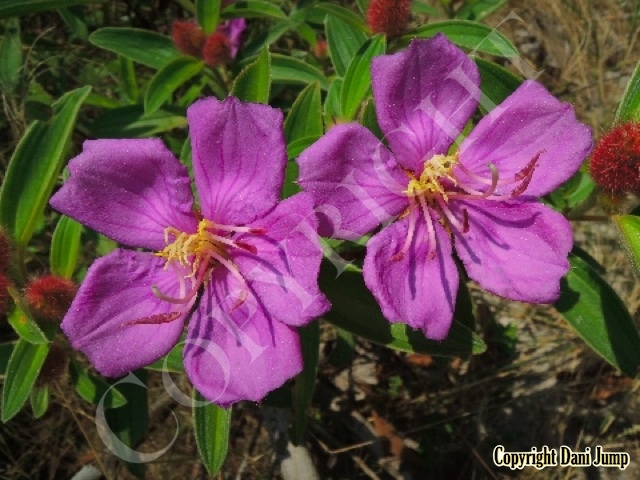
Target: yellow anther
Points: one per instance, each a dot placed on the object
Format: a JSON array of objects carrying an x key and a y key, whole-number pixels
[
  {"x": 190, "y": 249},
  {"x": 436, "y": 169}
]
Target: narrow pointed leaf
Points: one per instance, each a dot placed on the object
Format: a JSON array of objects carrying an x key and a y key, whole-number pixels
[
  {"x": 39, "y": 400},
  {"x": 478, "y": 9},
  {"x": 357, "y": 80},
  {"x": 629, "y": 108},
  {"x": 472, "y": 35},
  {"x": 208, "y": 14},
  {"x": 305, "y": 117},
  {"x": 142, "y": 46},
  {"x": 93, "y": 389},
  {"x": 629, "y": 228},
  {"x": 5, "y": 355},
  {"x": 289, "y": 70},
  {"x": 35, "y": 165},
  {"x": 23, "y": 322},
  {"x": 212, "y": 432},
  {"x": 253, "y": 84},
  {"x": 496, "y": 83},
  {"x": 252, "y": 9},
  {"x": 65, "y": 247},
  {"x": 344, "y": 40},
  {"x": 23, "y": 369},
  {"x": 344, "y": 14},
  {"x": 304, "y": 383},
  {"x": 131, "y": 122},
  {"x": 10, "y": 55},
  {"x": 168, "y": 79},
  {"x": 355, "y": 310},
  {"x": 599, "y": 316},
  {"x": 10, "y": 8}
]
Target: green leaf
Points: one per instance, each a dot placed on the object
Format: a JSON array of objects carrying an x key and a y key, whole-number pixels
[
  {"x": 73, "y": 18},
  {"x": 168, "y": 79},
  {"x": 23, "y": 323},
  {"x": 131, "y": 122},
  {"x": 296, "y": 147},
  {"x": 39, "y": 400},
  {"x": 599, "y": 316},
  {"x": 171, "y": 362},
  {"x": 94, "y": 389},
  {"x": 208, "y": 14},
  {"x": 10, "y": 55},
  {"x": 357, "y": 80},
  {"x": 496, "y": 83},
  {"x": 472, "y": 35},
  {"x": 354, "y": 309},
  {"x": 10, "y": 8},
  {"x": 289, "y": 70},
  {"x": 305, "y": 117},
  {"x": 343, "y": 14},
  {"x": 65, "y": 247},
  {"x": 629, "y": 107},
  {"x": 332, "y": 112},
  {"x": 35, "y": 166},
  {"x": 478, "y": 9},
  {"x": 142, "y": 46},
  {"x": 211, "y": 431},
  {"x": 130, "y": 423},
  {"x": 129, "y": 80},
  {"x": 253, "y": 83},
  {"x": 252, "y": 9},
  {"x": 370, "y": 118},
  {"x": 23, "y": 369},
  {"x": 344, "y": 40},
  {"x": 629, "y": 228},
  {"x": 305, "y": 381},
  {"x": 574, "y": 195}
]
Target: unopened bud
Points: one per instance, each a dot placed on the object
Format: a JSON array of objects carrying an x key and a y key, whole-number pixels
[
  {"x": 216, "y": 50},
  {"x": 615, "y": 162},
  {"x": 49, "y": 297},
  {"x": 389, "y": 16},
  {"x": 54, "y": 365},
  {"x": 188, "y": 37}
]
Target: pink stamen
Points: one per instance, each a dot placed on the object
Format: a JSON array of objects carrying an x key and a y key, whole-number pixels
[
  {"x": 202, "y": 269},
  {"x": 236, "y": 273},
  {"x": 450, "y": 216},
  {"x": 412, "y": 228},
  {"x": 476, "y": 194},
  {"x": 430, "y": 229},
  {"x": 155, "y": 319},
  {"x": 233, "y": 228}
]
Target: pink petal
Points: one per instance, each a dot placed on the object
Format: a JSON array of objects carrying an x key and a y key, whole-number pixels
[
  {"x": 129, "y": 190},
  {"x": 529, "y": 123},
  {"x": 513, "y": 249},
  {"x": 117, "y": 321},
  {"x": 416, "y": 290},
  {"x": 424, "y": 96},
  {"x": 355, "y": 182},
  {"x": 239, "y": 158},
  {"x": 240, "y": 353},
  {"x": 284, "y": 272}
]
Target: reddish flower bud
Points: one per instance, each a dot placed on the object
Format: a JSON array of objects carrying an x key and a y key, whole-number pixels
[
  {"x": 320, "y": 49},
  {"x": 216, "y": 50},
  {"x": 54, "y": 365},
  {"x": 5, "y": 251},
  {"x": 5, "y": 298},
  {"x": 49, "y": 297},
  {"x": 615, "y": 162},
  {"x": 388, "y": 16},
  {"x": 188, "y": 37}
]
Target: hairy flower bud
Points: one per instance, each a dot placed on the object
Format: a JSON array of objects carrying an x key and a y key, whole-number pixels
[
  {"x": 188, "y": 37},
  {"x": 49, "y": 297},
  {"x": 615, "y": 163},
  {"x": 388, "y": 16},
  {"x": 5, "y": 298},
  {"x": 54, "y": 365},
  {"x": 216, "y": 50}
]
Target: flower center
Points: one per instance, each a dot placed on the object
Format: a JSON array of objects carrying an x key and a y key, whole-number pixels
[
  {"x": 436, "y": 170},
  {"x": 437, "y": 185},
  {"x": 201, "y": 252}
]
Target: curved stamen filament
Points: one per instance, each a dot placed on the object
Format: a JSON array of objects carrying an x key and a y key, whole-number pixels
[
  {"x": 236, "y": 273},
  {"x": 431, "y": 231},
  {"x": 476, "y": 194},
  {"x": 412, "y": 228}
]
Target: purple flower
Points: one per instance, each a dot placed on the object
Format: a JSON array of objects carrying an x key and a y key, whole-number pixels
[
  {"x": 430, "y": 193},
  {"x": 243, "y": 271}
]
